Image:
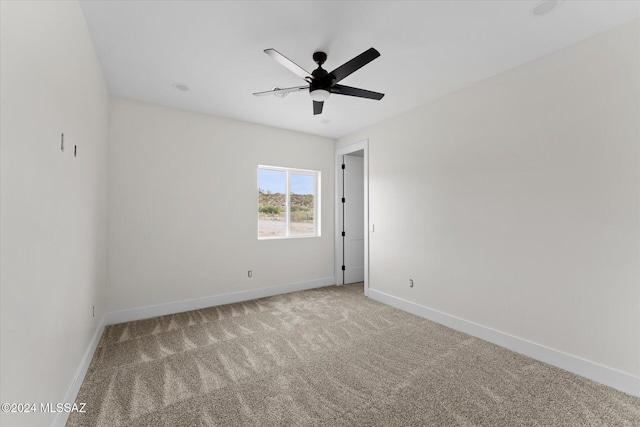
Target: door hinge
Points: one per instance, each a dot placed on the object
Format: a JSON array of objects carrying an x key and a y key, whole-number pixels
[
  {"x": 344, "y": 200},
  {"x": 343, "y": 166},
  {"x": 344, "y": 234},
  {"x": 343, "y": 268}
]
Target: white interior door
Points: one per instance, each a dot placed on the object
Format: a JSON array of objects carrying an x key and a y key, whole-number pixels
[{"x": 353, "y": 221}]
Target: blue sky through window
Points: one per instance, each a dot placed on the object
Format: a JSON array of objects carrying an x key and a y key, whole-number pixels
[
  {"x": 272, "y": 181},
  {"x": 301, "y": 184},
  {"x": 275, "y": 181}
]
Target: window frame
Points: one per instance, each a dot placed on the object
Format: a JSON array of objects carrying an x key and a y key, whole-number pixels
[{"x": 316, "y": 205}]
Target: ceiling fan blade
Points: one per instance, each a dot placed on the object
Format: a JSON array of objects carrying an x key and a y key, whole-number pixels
[
  {"x": 278, "y": 91},
  {"x": 317, "y": 107},
  {"x": 355, "y": 64},
  {"x": 354, "y": 91},
  {"x": 292, "y": 66}
]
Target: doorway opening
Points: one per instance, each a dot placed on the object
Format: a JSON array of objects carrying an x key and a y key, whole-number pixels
[{"x": 352, "y": 215}]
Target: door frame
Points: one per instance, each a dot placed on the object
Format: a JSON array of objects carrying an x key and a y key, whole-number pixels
[{"x": 342, "y": 151}]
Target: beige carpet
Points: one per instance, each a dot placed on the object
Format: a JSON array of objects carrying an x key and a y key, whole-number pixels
[{"x": 328, "y": 357}]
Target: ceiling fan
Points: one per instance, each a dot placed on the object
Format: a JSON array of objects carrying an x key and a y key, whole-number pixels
[{"x": 322, "y": 83}]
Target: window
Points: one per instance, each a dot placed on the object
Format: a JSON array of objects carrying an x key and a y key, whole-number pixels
[{"x": 288, "y": 202}]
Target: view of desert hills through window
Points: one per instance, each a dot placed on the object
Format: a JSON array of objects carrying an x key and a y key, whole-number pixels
[{"x": 273, "y": 202}]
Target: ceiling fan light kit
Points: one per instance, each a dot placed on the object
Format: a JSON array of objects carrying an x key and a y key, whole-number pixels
[
  {"x": 320, "y": 95},
  {"x": 321, "y": 84}
]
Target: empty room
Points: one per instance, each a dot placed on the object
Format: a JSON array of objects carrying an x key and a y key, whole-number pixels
[{"x": 320, "y": 213}]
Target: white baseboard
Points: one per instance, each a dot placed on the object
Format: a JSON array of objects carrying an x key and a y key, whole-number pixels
[
  {"x": 61, "y": 417},
  {"x": 602, "y": 374},
  {"x": 211, "y": 301}
]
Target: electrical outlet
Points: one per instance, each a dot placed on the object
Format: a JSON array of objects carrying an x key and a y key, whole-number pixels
[
  {"x": 93, "y": 311},
  {"x": 250, "y": 273},
  {"x": 411, "y": 283}
]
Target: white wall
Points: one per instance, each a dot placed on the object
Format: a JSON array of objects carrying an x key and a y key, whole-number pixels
[
  {"x": 183, "y": 206},
  {"x": 514, "y": 203},
  {"x": 53, "y": 206}
]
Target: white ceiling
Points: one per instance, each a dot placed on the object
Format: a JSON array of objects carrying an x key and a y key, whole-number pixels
[{"x": 428, "y": 49}]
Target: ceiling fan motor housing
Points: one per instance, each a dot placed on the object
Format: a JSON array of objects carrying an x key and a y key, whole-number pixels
[{"x": 319, "y": 81}]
